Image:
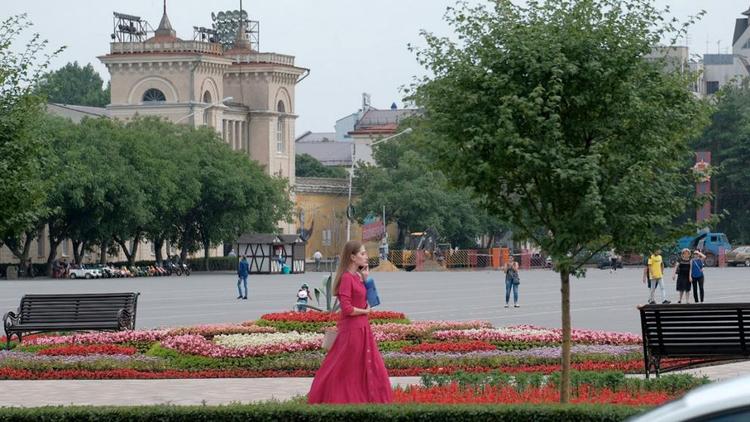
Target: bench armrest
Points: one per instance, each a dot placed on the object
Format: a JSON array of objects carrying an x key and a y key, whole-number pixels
[
  {"x": 9, "y": 320},
  {"x": 124, "y": 319}
]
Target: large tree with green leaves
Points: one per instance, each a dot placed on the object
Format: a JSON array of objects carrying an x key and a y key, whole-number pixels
[
  {"x": 728, "y": 139},
  {"x": 308, "y": 166},
  {"x": 21, "y": 148},
  {"x": 416, "y": 196},
  {"x": 552, "y": 115},
  {"x": 74, "y": 84}
]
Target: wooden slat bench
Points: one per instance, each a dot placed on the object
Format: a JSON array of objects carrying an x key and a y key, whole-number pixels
[
  {"x": 703, "y": 333},
  {"x": 39, "y": 313}
]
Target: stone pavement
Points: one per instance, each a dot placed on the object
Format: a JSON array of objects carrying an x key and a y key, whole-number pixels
[
  {"x": 168, "y": 391},
  {"x": 206, "y": 391}
]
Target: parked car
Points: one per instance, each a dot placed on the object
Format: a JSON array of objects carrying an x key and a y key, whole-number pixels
[
  {"x": 727, "y": 401},
  {"x": 84, "y": 272},
  {"x": 739, "y": 256}
]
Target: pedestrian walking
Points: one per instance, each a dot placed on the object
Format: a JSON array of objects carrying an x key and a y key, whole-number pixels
[
  {"x": 353, "y": 371},
  {"x": 683, "y": 275},
  {"x": 653, "y": 275},
  {"x": 696, "y": 273},
  {"x": 317, "y": 256},
  {"x": 512, "y": 281},
  {"x": 613, "y": 259},
  {"x": 243, "y": 270}
]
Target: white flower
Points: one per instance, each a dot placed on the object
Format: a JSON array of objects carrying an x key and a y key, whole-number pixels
[{"x": 262, "y": 339}]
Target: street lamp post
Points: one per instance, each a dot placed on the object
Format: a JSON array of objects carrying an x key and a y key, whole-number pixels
[{"x": 351, "y": 175}]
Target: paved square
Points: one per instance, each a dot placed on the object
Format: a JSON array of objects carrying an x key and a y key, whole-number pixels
[{"x": 599, "y": 301}]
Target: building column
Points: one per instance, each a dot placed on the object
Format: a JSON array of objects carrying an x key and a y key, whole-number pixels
[
  {"x": 237, "y": 136},
  {"x": 224, "y": 130}
]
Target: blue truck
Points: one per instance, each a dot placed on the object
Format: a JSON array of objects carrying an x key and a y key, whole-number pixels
[{"x": 710, "y": 243}]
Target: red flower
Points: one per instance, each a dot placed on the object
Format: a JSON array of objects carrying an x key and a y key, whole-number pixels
[
  {"x": 453, "y": 394},
  {"x": 464, "y": 346},
  {"x": 91, "y": 349},
  {"x": 25, "y": 374},
  {"x": 325, "y": 316}
]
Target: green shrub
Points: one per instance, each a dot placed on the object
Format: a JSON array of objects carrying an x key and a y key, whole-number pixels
[
  {"x": 615, "y": 381},
  {"x": 308, "y": 413}
]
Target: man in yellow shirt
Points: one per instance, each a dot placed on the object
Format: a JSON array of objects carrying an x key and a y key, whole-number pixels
[{"x": 653, "y": 273}]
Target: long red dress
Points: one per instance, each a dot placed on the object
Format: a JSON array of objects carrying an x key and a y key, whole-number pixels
[{"x": 353, "y": 370}]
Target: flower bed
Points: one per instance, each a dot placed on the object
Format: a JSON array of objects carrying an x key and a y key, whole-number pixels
[
  {"x": 536, "y": 388},
  {"x": 270, "y": 347}
]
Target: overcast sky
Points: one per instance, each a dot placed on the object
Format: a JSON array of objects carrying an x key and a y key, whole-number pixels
[{"x": 351, "y": 46}]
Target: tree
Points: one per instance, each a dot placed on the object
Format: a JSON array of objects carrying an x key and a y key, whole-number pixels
[
  {"x": 728, "y": 139},
  {"x": 76, "y": 85},
  {"x": 308, "y": 166},
  {"x": 236, "y": 195},
  {"x": 553, "y": 117},
  {"x": 417, "y": 196},
  {"x": 21, "y": 147}
]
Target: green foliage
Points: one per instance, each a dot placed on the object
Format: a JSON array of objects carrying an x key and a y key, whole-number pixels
[
  {"x": 22, "y": 151},
  {"x": 728, "y": 139},
  {"x": 331, "y": 302},
  {"x": 268, "y": 412},
  {"x": 308, "y": 166},
  {"x": 551, "y": 114},
  {"x": 615, "y": 381},
  {"x": 116, "y": 183},
  {"x": 301, "y": 411},
  {"x": 416, "y": 195},
  {"x": 73, "y": 84}
]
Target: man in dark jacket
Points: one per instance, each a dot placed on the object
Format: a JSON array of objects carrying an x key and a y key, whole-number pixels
[{"x": 242, "y": 272}]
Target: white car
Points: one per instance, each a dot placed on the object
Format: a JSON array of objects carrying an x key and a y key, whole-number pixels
[
  {"x": 84, "y": 272},
  {"x": 727, "y": 401}
]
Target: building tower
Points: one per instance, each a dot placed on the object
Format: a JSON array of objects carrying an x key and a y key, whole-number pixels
[{"x": 246, "y": 95}]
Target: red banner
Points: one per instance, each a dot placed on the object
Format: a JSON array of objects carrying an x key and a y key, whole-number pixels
[{"x": 373, "y": 231}]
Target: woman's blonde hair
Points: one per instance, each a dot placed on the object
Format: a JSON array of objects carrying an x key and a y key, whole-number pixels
[{"x": 352, "y": 247}]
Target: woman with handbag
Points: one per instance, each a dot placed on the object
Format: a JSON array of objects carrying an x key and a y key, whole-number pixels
[
  {"x": 353, "y": 370},
  {"x": 512, "y": 280}
]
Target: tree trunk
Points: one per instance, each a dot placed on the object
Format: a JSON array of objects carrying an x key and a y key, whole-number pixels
[
  {"x": 134, "y": 252},
  {"x": 206, "y": 253},
  {"x": 129, "y": 254},
  {"x": 103, "y": 253},
  {"x": 20, "y": 249},
  {"x": 565, "y": 375},
  {"x": 158, "y": 245},
  {"x": 53, "y": 245},
  {"x": 77, "y": 253}
]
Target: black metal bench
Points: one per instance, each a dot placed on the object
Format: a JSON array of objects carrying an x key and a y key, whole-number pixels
[
  {"x": 703, "y": 333},
  {"x": 71, "y": 312}
]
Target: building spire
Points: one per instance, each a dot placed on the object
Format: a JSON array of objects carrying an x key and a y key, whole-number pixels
[
  {"x": 240, "y": 40},
  {"x": 165, "y": 27}
]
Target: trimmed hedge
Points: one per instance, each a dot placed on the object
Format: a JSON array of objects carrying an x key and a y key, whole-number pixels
[{"x": 304, "y": 412}]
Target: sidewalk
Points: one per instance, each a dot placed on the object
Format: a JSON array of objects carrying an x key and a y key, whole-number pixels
[
  {"x": 207, "y": 391},
  {"x": 168, "y": 391}
]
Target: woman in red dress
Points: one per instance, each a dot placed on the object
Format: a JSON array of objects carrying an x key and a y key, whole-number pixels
[{"x": 353, "y": 371}]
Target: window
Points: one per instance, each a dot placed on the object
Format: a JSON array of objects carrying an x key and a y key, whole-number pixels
[
  {"x": 280, "y": 107},
  {"x": 207, "y": 97},
  {"x": 153, "y": 95},
  {"x": 327, "y": 237},
  {"x": 65, "y": 251},
  {"x": 712, "y": 87},
  {"x": 280, "y": 136}
]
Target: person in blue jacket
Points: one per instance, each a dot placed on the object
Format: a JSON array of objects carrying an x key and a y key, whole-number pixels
[{"x": 242, "y": 272}]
